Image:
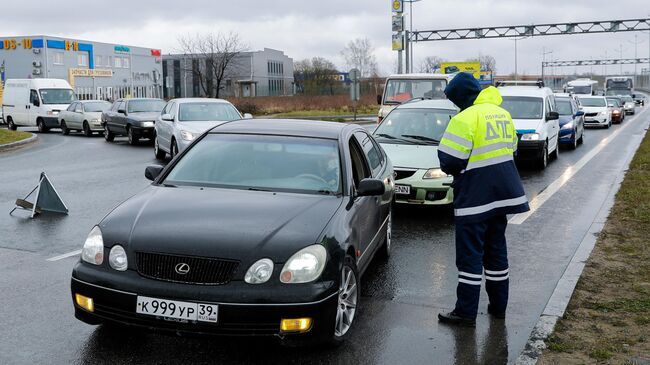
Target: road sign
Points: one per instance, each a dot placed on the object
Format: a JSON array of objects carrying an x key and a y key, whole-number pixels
[
  {"x": 397, "y": 6},
  {"x": 354, "y": 75},
  {"x": 398, "y": 41},
  {"x": 398, "y": 23}
]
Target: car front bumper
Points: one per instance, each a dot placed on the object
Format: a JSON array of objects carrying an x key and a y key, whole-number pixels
[
  {"x": 426, "y": 191},
  {"x": 529, "y": 150},
  {"x": 629, "y": 110},
  {"x": 599, "y": 120},
  {"x": 115, "y": 295},
  {"x": 567, "y": 135},
  {"x": 144, "y": 132},
  {"x": 51, "y": 122}
]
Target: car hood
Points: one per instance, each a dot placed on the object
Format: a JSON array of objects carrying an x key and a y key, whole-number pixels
[
  {"x": 412, "y": 156},
  {"x": 630, "y": 104},
  {"x": 144, "y": 116},
  {"x": 197, "y": 127},
  {"x": 213, "y": 222},
  {"x": 564, "y": 119}
]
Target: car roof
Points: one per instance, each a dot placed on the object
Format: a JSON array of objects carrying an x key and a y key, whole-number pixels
[
  {"x": 590, "y": 97},
  {"x": 201, "y": 100},
  {"x": 525, "y": 91},
  {"x": 285, "y": 127},
  {"x": 422, "y": 76},
  {"x": 92, "y": 101},
  {"x": 429, "y": 104}
]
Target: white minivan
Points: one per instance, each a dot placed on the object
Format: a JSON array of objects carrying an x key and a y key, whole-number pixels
[
  {"x": 35, "y": 102},
  {"x": 405, "y": 87},
  {"x": 533, "y": 111}
]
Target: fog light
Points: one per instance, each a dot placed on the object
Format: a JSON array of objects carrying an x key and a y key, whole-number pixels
[
  {"x": 85, "y": 302},
  {"x": 295, "y": 325}
]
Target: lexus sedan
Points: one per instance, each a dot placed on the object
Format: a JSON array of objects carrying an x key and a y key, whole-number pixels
[
  {"x": 260, "y": 227},
  {"x": 133, "y": 118}
]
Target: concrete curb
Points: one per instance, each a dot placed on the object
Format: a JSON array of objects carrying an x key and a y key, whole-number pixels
[
  {"x": 557, "y": 304},
  {"x": 22, "y": 142}
]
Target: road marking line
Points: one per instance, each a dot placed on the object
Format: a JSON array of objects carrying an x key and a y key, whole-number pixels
[
  {"x": 555, "y": 186},
  {"x": 65, "y": 255}
]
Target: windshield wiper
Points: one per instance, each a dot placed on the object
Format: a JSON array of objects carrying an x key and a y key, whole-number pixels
[
  {"x": 420, "y": 138},
  {"x": 257, "y": 189},
  {"x": 385, "y": 135},
  {"x": 169, "y": 185},
  {"x": 326, "y": 192}
]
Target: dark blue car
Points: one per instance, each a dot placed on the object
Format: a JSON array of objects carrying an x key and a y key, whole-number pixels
[{"x": 572, "y": 121}]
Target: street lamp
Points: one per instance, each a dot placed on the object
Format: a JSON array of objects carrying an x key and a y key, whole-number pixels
[
  {"x": 410, "y": 45},
  {"x": 517, "y": 39}
]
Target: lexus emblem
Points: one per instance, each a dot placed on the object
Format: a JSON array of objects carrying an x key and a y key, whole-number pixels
[{"x": 182, "y": 268}]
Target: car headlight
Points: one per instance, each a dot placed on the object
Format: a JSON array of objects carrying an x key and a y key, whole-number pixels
[
  {"x": 93, "y": 250},
  {"x": 188, "y": 136},
  {"x": 52, "y": 112},
  {"x": 568, "y": 125},
  {"x": 117, "y": 258},
  {"x": 95, "y": 120},
  {"x": 147, "y": 124},
  {"x": 530, "y": 137},
  {"x": 304, "y": 266},
  {"x": 434, "y": 174},
  {"x": 604, "y": 112},
  {"x": 259, "y": 272}
]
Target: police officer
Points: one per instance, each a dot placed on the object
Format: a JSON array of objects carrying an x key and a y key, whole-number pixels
[{"x": 477, "y": 149}]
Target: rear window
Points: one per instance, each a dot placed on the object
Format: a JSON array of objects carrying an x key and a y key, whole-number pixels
[
  {"x": 398, "y": 91},
  {"x": 564, "y": 106},
  {"x": 595, "y": 102},
  {"x": 523, "y": 107}
]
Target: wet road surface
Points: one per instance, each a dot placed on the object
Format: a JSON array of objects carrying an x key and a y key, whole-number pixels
[{"x": 400, "y": 298}]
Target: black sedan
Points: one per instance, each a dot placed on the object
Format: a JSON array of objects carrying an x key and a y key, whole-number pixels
[
  {"x": 133, "y": 118},
  {"x": 260, "y": 227}
]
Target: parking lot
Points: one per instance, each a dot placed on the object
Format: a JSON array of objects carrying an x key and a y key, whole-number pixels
[{"x": 400, "y": 300}]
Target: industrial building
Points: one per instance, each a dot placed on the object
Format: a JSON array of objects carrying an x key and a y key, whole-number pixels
[
  {"x": 268, "y": 72},
  {"x": 95, "y": 70}
]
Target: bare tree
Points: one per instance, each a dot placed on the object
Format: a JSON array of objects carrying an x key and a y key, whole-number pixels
[
  {"x": 360, "y": 54},
  {"x": 488, "y": 63},
  {"x": 212, "y": 58},
  {"x": 315, "y": 76},
  {"x": 431, "y": 64}
]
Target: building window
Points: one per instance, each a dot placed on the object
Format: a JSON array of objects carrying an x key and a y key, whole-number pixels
[
  {"x": 57, "y": 58},
  {"x": 98, "y": 60},
  {"x": 118, "y": 62},
  {"x": 109, "y": 61},
  {"x": 126, "y": 63},
  {"x": 82, "y": 59}
]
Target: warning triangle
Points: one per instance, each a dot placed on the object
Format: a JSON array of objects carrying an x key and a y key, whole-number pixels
[{"x": 47, "y": 199}]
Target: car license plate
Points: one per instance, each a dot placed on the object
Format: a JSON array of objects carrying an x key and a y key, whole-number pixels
[
  {"x": 402, "y": 189},
  {"x": 178, "y": 310}
]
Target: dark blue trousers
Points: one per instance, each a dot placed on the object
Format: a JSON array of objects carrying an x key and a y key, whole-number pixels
[{"x": 481, "y": 247}]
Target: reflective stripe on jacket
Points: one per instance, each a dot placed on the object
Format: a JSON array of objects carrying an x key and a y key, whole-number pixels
[{"x": 477, "y": 149}]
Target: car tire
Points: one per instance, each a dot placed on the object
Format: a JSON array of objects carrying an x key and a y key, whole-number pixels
[
  {"x": 542, "y": 160},
  {"x": 133, "y": 139},
  {"x": 10, "y": 124},
  {"x": 108, "y": 135},
  {"x": 609, "y": 124},
  {"x": 173, "y": 149},
  {"x": 86, "y": 129},
  {"x": 41, "y": 126},
  {"x": 581, "y": 140},
  {"x": 556, "y": 153},
  {"x": 160, "y": 154},
  {"x": 574, "y": 143},
  {"x": 64, "y": 128},
  {"x": 386, "y": 247},
  {"x": 348, "y": 301}
]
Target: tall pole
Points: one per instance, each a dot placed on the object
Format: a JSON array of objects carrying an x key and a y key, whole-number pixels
[
  {"x": 515, "y": 59},
  {"x": 410, "y": 46},
  {"x": 407, "y": 50}
]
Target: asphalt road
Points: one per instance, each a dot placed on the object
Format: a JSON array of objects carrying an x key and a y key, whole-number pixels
[{"x": 400, "y": 299}]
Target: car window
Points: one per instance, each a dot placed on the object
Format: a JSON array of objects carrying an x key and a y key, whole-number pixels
[
  {"x": 414, "y": 126},
  {"x": 548, "y": 105},
  {"x": 121, "y": 105},
  {"x": 71, "y": 107},
  {"x": 593, "y": 102},
  {"x": 372, "y": 153},
  {"x": 78, "y": 108},
  {"x": 33, "y": 97},
  {"x": 165, "y": 110},
  {"x": 523, "y": 107},
  {"x": 360, "y": 169},
  {"x": 564, "y": 106},
  {"x": 206, "y": 111},
  {"x": 145, "y": 105},
  {"x": 96, "y": 106},
  {"x": 116, "y": 105}
]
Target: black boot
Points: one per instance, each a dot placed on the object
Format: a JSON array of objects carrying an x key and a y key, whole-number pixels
[
  {"x": 495, "y": 314},
  {"x": 455, "y": 319}
]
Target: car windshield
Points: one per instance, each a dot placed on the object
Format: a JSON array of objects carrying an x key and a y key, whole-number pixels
[
  {"x": 399, "y": 91},
  {"x": 192, "y": 112},
  {"x": 618, "y": 92},
  {"x": 615, "y": 102},
  {"x": 523, "y": 107},
  {"x": 97, "y": 106},
  {"x": 563, "y": 106},
  {"x": 582, "y": 90},
  {"x": 57, "y": 96},
  {"x": 261, "y": 162},
  {"x": 141, "y": 106},
  {"x": 593, "y": 102},
  {"x": 414, "y": 126},
  {"x": 627, "y": 99}
]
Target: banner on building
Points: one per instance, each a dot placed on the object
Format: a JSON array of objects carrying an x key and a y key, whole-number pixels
[{"x": 473, "y": 67}]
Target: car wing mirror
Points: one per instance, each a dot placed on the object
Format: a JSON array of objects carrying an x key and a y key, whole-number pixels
[
  {"x": 121, "y": 111},
  {"x": 36, "y": 102},
  {"x": 552, "y": 116},
  {"x": 248, "y": 116},
  {"x": 151, "y": 172},
  {"x": 167, "y": 117},
  {"x": 371, "y": 187},
  {"x": 580, "y": 113}
]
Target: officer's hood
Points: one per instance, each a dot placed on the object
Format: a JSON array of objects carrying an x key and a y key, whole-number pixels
[
  {"x": 463, "y": 90},
  {"x": 490, "y": 95}
]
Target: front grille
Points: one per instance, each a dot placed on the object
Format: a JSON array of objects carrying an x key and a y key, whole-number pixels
[
  {"x": 202, "y": 270},
  {"x": 403, "y": 174},
  {"x": 590, "y": 114}
]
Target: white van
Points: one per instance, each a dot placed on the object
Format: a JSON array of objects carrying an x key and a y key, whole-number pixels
[
  {"x": 35, "y": 102},
  {"x": 533, "y": 111},
  {"x": 582, "y": 87},
  {"x": 404, "y": 87}
]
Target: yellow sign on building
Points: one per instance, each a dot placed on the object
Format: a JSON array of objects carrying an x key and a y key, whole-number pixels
[
  {"x": 86, "y": 72},
  {"x": 473, "y": 67}
]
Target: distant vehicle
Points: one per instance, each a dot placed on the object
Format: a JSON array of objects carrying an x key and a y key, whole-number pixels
[
  {"x": 596, "y": 111},
  {"x": 134, "y": 118},
  {"x": 410, "y": 135},
  {"x": 640, "y": 100},
  {"x": 260, "y": 228},
  {"x": 629, "y": 104},
  {"x": 533, "y": 110},
  {"x": 404, "y": 87},
  {"x": 619, "y": 85},
  {"x": 35, "y": 102},
  {"x": 615, "y": 104},
  {"x": 572, "y": 122},
  {"x": 582, "y": 87},
  {"x": 183, "y": 120},
  {"x": 83, "y": 115}
]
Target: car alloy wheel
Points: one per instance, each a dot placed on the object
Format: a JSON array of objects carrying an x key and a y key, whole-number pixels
[
  {"x": 347, "y": 300},
  {"x": 174, "y": 149},
  {"x": 160, "y": 154},
  {"x": 87, "y": 131},
  {"x": 386, "y": 247},
  {"x": 133, "y": 140},
  {"x": 64, "y": 128},
  {"x": 108, "y": 135},
  {"x": 543, "y": 159}
]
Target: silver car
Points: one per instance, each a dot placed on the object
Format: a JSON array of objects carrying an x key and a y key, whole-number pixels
[
  {"x": 183, "y": 120},
  {"x": 83, "y": 115},
  {"x": 630, "y": 105}
]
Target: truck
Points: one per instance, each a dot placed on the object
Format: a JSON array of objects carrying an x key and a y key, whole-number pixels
[
  {"x": 35, "y": 102},
  {"x": 401, "y": 88},
  {"x": 619, "y": 85},
  {"x": 581, "y": 87}
]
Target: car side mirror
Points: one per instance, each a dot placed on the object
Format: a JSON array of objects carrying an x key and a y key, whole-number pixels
[
  {"x": 248, "y": 116},
  {"x": 371, "y": 187},
  {"x": 552, "y": 116},
  {"x": 121, "y": 111},
  {"x": 151, "y": 172},
  {"x": 633, "y": 96},
  {"x": 379, "y": 99},
  {"x": 580, "y": 113},
  {"x": 167, "y": 117},
  {"x": 36, "y": 102}
]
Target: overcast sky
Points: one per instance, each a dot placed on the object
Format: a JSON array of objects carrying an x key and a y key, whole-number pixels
[{"x": 307, "y": 28}]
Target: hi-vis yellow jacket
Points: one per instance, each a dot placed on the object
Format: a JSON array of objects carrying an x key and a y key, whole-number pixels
[{"x": 477, "y": 149}]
